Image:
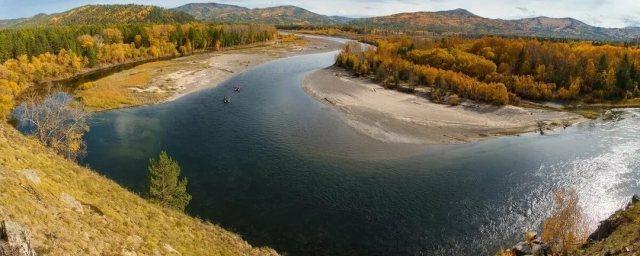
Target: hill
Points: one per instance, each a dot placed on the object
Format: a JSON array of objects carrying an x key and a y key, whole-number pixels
[
  {"x": 279, "y": 15},
  {"x": 103, "y": 14},
  {"x": 71, "y": 210},
  {"x": 460, "y": 21},
  {"x": 10, "y": 22}
]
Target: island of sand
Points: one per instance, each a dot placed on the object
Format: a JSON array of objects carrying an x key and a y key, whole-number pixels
[{"x": 392, "y": 116}]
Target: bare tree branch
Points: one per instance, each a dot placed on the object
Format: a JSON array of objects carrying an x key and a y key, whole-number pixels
[{"x": 56, "y": 121}]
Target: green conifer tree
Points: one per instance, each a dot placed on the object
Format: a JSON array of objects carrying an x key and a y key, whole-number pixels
[{"x": 165, "y": 188}]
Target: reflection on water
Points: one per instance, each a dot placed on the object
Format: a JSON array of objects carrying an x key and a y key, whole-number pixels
[{"x": 286, "y": 171}]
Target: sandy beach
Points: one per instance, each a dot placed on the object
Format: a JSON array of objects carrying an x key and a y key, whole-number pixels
[
  {"x": 167, "y": 80},
  {"x": 392, "y": 116}
]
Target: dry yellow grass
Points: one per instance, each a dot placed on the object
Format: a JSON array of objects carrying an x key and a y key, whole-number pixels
[
  {"x": 113, "y": 221},
  {"x": 115, "y": 91}
]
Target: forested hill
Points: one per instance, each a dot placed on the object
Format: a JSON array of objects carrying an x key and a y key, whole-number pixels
[
  {"x": 463, "y": 22},
  {"x": 279, "y": 15},
  {"x": 441, "y": 23},
  {"x": 103, "y": 14}
]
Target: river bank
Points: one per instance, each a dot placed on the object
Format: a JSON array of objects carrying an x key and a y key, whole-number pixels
[
  {"x": 167, "y": 80},
  {"x": 392, "y": 116}
]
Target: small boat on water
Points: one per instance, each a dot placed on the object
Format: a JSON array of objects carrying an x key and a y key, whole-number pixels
[
  {"x": 237, "y": 88},
  {"x": 226, "y": 99}
]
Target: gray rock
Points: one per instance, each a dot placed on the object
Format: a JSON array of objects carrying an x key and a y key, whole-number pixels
[
  {"x": 14, "y": 240},
  {"x": 31, "y": 175},
  {"x": 522, "y": 248},
  {"x": 72, "y": 203},
  {"x": 539, "y": 249},
  {"x": 531, "y": 246}
]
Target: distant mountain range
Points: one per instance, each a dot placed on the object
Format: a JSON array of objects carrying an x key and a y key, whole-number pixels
[
  {"x": 103, "y": 14},
  {"x": 461, "y": 21},
  {"x": 458, "y": 21},
  {"x": 279, "y": 15}
]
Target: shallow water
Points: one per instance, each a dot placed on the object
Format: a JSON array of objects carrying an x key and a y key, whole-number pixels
[{"x": 286, "y": 171}]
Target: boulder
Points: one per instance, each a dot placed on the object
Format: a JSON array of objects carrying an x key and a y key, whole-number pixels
[
  {"x": 31, "y": 175},
  {"x": 539, "y": 248},
  {"x": 521, "y": 249},
  {"x": 72, "y": 203},
  {"x": 14, "y": 240},
  {"x": 531, "y": 246}
]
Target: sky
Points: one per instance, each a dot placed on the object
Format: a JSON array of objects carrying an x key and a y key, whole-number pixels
[{"x": 603, "y": 13}]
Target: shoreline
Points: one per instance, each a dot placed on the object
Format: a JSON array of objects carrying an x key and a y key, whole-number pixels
[
  {"x": 396, "y": 117},
  {"x": 168, "y": 80},
  {"x": 311, "y": 45}
]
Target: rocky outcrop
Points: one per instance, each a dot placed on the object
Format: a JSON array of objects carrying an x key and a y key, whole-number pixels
[
  {"x": 531, "y": 246},
  {"x": 14, "y": 240},
  {"x": 617, "y": 235}
]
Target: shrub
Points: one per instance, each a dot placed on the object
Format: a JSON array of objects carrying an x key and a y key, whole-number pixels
[
  {"x": 86, "y": 86},
  {"x": 565, "y": 230},
  {"x": 454, "y": 100},
  {"x": 514, "y": 99}
]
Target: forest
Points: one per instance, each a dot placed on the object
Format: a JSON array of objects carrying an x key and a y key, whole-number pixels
[
  {"x": 500, "y": 70},
  {"x": 32, "y": 56}
]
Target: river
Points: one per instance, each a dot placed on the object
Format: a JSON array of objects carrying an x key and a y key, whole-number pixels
[{"x": 284, "y": 170}]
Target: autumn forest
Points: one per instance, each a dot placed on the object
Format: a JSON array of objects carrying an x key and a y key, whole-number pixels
[
  {"x": 33, "y": 56},
  {"x": 501, "y": 70}
]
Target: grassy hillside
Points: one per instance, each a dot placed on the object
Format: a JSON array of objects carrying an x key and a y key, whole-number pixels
[
  {"x": 71, "y": 210},
  {"x": 279, "y": 15},
  {"x": 105, "y": 14}
]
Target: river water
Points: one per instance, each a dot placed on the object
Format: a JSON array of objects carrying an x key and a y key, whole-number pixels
[{"x": 284, "y": 170}]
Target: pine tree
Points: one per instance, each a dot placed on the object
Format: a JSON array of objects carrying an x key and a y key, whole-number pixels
[
  {"x": 624, "y": 74},
  {"x": 92, "y": 56},
  {"x": 164, "y": 186},
  {"x": 520, "y": 63},
  {"x": 603, "y": 63}
]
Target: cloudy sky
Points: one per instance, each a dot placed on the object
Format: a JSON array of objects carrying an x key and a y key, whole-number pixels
[{"x": 605, "y": 13}]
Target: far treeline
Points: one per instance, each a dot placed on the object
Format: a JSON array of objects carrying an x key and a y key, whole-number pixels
[
  {"x": 500, "y": 70},
  {"x": 32, "y": 56}
]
